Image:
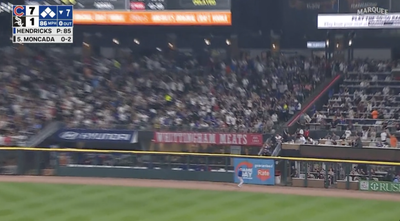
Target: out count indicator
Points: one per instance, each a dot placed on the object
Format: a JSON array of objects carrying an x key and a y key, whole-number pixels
[{"x": 64, "y": 23}]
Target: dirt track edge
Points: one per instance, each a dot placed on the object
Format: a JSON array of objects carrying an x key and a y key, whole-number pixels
[{"x": 202, "y": 186}]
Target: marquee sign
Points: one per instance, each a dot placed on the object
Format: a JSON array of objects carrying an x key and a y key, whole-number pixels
[
  {"x": 366, "y": 18},
  {"x": 372, "y": 10}
]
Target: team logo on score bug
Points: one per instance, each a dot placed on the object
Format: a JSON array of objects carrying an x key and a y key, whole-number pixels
[
  {"x": 247, "y": 170},
  {"x": 138, "y": 6},
  {"x": 19, "y": 20},
  {"x": 19, "y": 10}
]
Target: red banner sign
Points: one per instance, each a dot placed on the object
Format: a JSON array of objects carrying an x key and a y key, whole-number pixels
[
  {"x": 141, "y": 17},
  {"x": 209, "y": 138}
]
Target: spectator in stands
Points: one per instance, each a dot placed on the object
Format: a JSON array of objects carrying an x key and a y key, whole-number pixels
[
  {"x": 354, "y": 175},
  {"x": 373, "y": 134},
  {"x": 358, "y": 142},
  {"x": 347, "y": 134},
  {"x": 374, "y": 114},
  {"x": 307, "y": 133},
  {"x": 384, "y": 136},
  {"x": 152, "y": 92},
  {"x": 302, "y": 139},
  {"x": 393, "y": 141},
  {"x": 266, "y": 149},
  {"x": 397, "y": 127},
  {"x": 365, "y": 133}
]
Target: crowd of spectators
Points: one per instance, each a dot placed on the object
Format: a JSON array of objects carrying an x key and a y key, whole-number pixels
[
  {"x": 153, "y": 92},
  {"x": 365, "y": 108},
  {"x": 367, "y": 136}
]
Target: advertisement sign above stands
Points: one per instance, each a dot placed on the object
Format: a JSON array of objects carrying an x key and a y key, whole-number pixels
[
  {"x": 316, "y": 44},
  {"x": 241, "y": 139},
  {"x": 83, "y": 135},
  {"x": 147, "y": 12},
  {"x": 366, "y": 18}
]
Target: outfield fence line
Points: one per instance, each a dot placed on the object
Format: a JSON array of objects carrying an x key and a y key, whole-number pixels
[{"x": 200, "y": 154}]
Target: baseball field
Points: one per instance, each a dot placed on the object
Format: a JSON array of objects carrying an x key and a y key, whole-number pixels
[{"x": 95, "y": 199}]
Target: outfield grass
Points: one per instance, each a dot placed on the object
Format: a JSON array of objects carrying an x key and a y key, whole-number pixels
[{"x": 54, "y": 202}]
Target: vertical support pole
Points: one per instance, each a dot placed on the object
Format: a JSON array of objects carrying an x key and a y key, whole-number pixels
[
  {"x": 20, "y": 162},
  {"x": 306, "y": 175},
  {"x": 369, "y": 172},
  {"x": 206, "y": 169},
  {"x": 150, "y": 166},
  {"x": 169, "y": 161},
  {"x": 58, "y": 155},
  {"x": 187, "y": 162},
  {"x": 337, "y": 172},
  {"x": 226, "y": 163},
  {"x": 327, "y": 180},
  {"x": 284, "y": 172},
  {"x": 347, "y": 174},
  {"x": 133, "y": 160},
  {"x": 38, "y": 159}
]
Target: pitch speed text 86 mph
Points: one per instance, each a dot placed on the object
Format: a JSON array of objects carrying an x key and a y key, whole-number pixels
[{"x": 59, "y": 23}]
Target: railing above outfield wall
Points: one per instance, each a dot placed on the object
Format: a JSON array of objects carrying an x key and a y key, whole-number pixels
[{"x": 285, "y": 171}]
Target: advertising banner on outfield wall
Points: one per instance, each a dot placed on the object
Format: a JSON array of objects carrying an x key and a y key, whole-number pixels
[
  {"x": 377, "y": 186},
  {"x": 255, "y": 171},
  {"x": 83, "y": 135},
  {"x": 241, "y": 139}
]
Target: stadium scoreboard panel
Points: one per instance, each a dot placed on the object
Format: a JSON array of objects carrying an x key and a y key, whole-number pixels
[
  {"x": 42, "y": 24},
  {"x": 147, "y": 12}
]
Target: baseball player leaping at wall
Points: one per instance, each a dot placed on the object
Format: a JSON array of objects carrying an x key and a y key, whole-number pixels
[{"x": 240, "y": 177}]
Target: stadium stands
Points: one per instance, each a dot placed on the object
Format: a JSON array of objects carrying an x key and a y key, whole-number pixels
[
  {"x": 366, "y": 105},
  {"x": 248, "y": 95}
]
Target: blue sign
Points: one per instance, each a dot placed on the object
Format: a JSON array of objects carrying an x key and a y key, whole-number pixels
[
  {"x": 255, "y": 171},
  {"x": 48, "y": 12},
  {"x": 83, "y": 135},
  {"x": 65, "y": 12}
]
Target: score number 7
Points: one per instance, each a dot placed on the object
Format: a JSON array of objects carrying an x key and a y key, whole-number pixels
[
  {"x": 32, "y": 9},
  {"x": 68, "y": 11}
]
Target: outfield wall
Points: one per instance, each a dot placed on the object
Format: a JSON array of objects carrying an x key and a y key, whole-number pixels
[
  {"x": 144, "y": 173},
  {"x": 261, "y": 170}
]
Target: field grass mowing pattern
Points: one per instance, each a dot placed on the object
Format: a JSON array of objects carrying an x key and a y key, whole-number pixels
[{"x": 59, "y": 202}]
